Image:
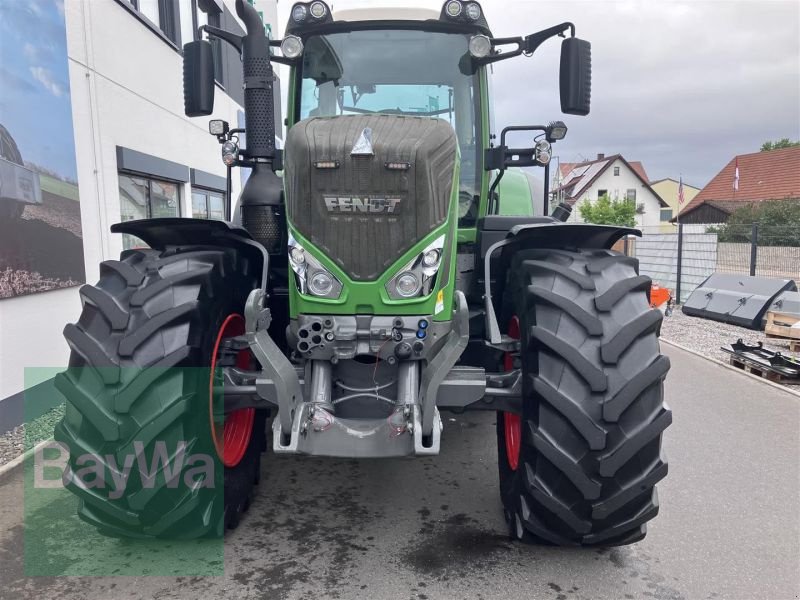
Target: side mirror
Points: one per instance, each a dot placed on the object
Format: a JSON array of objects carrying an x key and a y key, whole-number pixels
[
  {"x": 576, "y": 76},
  {"x": 198, "y": 78}
]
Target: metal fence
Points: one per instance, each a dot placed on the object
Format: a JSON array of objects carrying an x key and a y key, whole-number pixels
[{"x": 682, "y": 257}]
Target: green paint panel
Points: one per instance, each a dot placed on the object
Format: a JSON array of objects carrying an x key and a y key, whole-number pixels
[
  {"x": 516, "y": 198},
  {"x": 370, "y": 297}
]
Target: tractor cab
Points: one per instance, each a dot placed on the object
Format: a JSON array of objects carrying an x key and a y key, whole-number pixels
[{"x": 424, "y": 63}]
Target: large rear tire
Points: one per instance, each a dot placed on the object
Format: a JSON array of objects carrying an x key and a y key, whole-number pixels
[
  {"x": 139, "y": 376},
  {"x": 589, "y": 455}
]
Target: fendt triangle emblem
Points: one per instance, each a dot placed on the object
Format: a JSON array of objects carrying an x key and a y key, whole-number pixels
[{"x": 363, "y": 145}]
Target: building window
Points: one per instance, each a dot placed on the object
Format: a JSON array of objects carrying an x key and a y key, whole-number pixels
[
  {"x": 666, "y": 214},
  {"x": 214, "y": 21},
  {"x": 630, "y": 195},
  {"x": 616, "y": 171},
  {"x": 150, "y": 9},
  {"x": 163, "y": 14},
  {"x": 601, "y": 193},
  {"x": 179, "y": 21},
  {"x": 188, "y": 14},
  {"x": 207, "y": 204},
  {"x": 146, "y": 198}
]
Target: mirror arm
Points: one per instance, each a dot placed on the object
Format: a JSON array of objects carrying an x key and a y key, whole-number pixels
[
  {"x": 233, "y": 39},
  {"x": 527, "y": 45},
  {"x": 533, "y": 41}
]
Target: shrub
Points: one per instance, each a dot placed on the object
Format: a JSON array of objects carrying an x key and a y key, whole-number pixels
[
  {"x": 778, "y": 223},
  {"x": 609, "y": 212}
]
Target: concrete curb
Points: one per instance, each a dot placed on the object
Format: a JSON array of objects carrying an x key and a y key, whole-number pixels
[
  {"x": 10, "y": 466},
  {"x": 777, "y": 386}
]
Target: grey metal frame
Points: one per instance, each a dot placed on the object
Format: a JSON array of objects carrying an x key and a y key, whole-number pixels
[{"x": 307, "y": 422}]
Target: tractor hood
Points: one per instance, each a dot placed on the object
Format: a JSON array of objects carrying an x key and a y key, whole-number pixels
[{"x": 365, "y": 189}]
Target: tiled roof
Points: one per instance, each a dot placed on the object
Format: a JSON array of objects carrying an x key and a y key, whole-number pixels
[
  {"x": 565, "y": 168},
  {"x": 639, "y": 168},
  {"x": 763, "y": 176}
]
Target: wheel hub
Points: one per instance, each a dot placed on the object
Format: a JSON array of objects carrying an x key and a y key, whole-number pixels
[
  {"x": 512, "y": 423},
  {"x": 232, "y": 434}
]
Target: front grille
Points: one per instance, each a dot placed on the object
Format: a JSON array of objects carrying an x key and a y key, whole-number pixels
[
  {"x": 267, "y": 225},
  {"x": 363, "y": 242}
]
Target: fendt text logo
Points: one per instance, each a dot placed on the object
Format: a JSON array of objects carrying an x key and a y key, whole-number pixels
[{"x": 369, "y": 206}]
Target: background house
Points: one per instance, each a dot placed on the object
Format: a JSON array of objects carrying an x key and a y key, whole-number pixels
[
  {"x": 763, "y": 176},
  {"x": 612, "y": 176},
  {"x": 668, "y": 190}
]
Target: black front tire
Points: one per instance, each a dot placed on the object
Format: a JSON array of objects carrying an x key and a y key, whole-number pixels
[
  {"x": 139, "y": 374},
  {"x": 593, "y": 408}
]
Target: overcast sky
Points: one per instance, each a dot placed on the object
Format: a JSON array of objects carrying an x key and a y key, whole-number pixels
[{"x": 682, "y": 86}]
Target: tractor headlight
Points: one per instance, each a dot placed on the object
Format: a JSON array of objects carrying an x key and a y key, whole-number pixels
[
  {"x": 416, "y": 279},
  {"x": 230, "y": 153},
  {"x": 321, "y": 284},
  {"x": 431, "y": 258},
  {"x": 480, "y": 46},
  {"x": 407, "y": 285},
  {"x": 473, "y": 11},
  {"x": 299, "y": 13},
  {"x": 454, "y": 8},
  {"x": 318, "y": 10},
  {"x": 312, "y": 278},
  {"x": 292, "y": 46},
  {"x": 297, "y": 255},
  {"x": 544, "y": 152}
]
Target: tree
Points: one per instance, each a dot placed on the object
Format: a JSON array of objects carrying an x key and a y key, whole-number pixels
[
  {"x": 609, "y": 212},
  {"x": 778, "y": 223},
  {"x": 777, "y": 145}
]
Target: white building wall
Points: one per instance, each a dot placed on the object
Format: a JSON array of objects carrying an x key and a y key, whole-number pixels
[
  {"x": 126, "y": 88},
  {"x": 617, "y": 187}
]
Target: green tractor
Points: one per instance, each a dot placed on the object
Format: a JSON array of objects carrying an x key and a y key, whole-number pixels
[{"x": 392, "y": 261}]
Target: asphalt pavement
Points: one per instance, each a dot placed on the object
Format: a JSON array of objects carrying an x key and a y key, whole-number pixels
[{"x": 426, "y": 529}]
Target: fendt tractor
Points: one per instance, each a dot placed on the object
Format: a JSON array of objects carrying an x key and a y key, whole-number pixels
[{"x": 392, "y": 261}]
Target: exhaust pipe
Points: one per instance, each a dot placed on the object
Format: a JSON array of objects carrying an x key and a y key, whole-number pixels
[{"x": 262, "y": 198}]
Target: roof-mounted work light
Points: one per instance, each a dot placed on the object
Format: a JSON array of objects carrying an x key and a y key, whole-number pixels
[
  {"x": 308, "y": 14},
  {"x": 464, "y": 12}
]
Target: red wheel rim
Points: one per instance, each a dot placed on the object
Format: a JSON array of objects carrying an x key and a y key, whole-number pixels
[
  {"x": 512, "y": 423},
  {"x": 232, "y": 442}
]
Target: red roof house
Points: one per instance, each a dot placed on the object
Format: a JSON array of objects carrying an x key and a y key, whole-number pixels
[{"x": 763, "y": 176}]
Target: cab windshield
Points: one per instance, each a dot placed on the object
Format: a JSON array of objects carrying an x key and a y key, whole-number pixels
[{"x": 398, "y": 72}]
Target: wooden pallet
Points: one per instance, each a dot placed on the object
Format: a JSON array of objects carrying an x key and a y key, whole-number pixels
[
  {"x": 762, "y": 372},
  {"x": 794, "y": 345},
  {"x": 780, "y": 325}
]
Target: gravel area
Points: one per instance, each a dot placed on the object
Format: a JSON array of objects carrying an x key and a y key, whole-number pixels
[
  {"x": 15, "y": 442},
  {"x": 707, "y": 337}
]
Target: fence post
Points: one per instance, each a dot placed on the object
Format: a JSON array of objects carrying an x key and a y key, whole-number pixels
[
  {"x": 753, "y": 249},
  {"x": 680, "y": 264},
  {"x": 625, "y": 249}
]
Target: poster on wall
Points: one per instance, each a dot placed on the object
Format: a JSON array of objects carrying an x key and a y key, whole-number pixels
[{"x": 41, "y": 246}]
